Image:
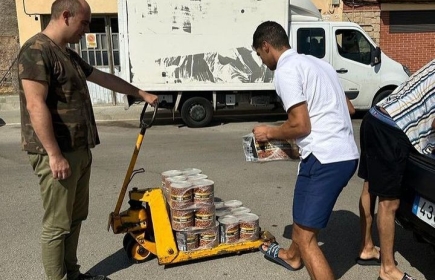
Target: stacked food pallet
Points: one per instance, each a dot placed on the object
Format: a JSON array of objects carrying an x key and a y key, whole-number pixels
[{"x": 198, "y": 220}]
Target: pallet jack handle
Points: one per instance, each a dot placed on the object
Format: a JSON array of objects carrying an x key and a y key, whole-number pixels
[{"x": 144, "y": 125}]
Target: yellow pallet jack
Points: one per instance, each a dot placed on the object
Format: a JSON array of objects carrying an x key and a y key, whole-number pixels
[{"x": 146, "y": 223}]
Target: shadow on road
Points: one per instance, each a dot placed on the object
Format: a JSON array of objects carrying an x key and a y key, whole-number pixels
[
  {"x": 340, "y": 242},
  {"x": 112, "y": 264},
  {"x": 2, "y": 122},
  {"x": 221, "y": 117}
]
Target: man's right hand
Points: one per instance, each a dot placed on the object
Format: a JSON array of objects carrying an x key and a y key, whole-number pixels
[{"x": 59, "y": 167}]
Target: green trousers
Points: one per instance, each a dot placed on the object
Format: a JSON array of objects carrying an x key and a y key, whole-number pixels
[{"x": 66, "y": 204}]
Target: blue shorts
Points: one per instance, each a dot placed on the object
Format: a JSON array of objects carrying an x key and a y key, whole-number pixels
[{"x": 317, "y": 189}]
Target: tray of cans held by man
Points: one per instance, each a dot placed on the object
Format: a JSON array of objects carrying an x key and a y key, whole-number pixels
[{"x": 198, "y": 221}]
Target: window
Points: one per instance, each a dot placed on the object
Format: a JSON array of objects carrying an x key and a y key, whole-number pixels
[
  {"x": 98, "y": 54},
  {"x": 352, "y": 44},
  {"x": 311, "y": 41},
  {"x": 412, "y": 21}
]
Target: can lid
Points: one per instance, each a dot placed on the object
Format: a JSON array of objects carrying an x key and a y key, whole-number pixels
[
  {"x": 233, "y": 203},
  {"x": 170, "y": 173},
  {"x": 219, "y": 204},
  {"x": 181, "y": 184},
  {"x": 248, "y": 217},
  {"x": 191, "y": 171},
  {"x": 222, "y": 212},
  {"x": 194, "y": 177},
  {"x": 202, "y": 183},
  {"x": 177, "y": 178},
  {"x": 240, "y": 210},
  {"x": 228, "y": 219}
]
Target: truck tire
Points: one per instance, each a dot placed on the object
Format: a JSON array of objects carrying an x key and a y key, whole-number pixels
[
  {"x": 197, "y": 112},
  {"x": 381, "y": 96}
]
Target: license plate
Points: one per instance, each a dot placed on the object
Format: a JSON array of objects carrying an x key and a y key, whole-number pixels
[{"x": 424, "y": 210}]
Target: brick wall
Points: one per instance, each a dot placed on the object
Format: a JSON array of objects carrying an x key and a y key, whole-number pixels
[
  {"x": 9, "y": 46},
  {"x": 367, "y": 16},
  {"x": 369, "y": 20},
  {"x": 411, "y": 49}
]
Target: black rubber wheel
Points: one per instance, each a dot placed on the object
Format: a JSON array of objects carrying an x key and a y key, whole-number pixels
[
  {"x": 381, "y": 96},
  {"x": 135, "y": 252},
  {"x": 127, "y": 238},
  {"x": 197, "y": 112}
]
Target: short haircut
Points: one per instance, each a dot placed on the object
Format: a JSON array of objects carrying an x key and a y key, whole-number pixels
[
  {"x": 58, "y": 6},
  {"x": 271, "y": 32}
]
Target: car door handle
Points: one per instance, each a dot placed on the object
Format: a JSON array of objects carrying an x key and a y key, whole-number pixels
[{"x": 342, "y": 70}]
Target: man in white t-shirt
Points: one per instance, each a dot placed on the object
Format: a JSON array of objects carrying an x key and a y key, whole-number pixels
[{"x": 318, "y": 118}]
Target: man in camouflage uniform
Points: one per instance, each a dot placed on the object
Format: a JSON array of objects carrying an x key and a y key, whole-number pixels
[{"x": 58, "y": 130}]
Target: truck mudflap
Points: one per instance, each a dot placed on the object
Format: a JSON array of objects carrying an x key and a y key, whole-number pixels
[{"x": 419, "y": 186}]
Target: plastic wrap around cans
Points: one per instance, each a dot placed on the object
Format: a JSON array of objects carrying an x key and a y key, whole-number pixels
[
  {"x": 208, "y": 238},
  {"x": 229, "y": 229},
  {"x": 181, "y": 195},
  {"x": 205, "y": 216},
  {"x": 182, "y": 219},
  {"x": 187, "y": 241},
  {"x": 249, "y": 227},
  {"x": 203, "y": 192}
]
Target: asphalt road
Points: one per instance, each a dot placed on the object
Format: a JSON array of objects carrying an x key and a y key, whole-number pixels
[{"x": 267, "y": 189}]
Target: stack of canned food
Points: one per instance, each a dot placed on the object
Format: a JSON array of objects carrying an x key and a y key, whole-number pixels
[{"x": 198, "y": 221}]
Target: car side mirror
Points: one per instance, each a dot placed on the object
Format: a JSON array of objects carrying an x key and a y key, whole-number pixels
[{"x": 376, "y": 56}]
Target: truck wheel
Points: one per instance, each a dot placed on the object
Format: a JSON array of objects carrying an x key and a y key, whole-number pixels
[
  {"x": 381, "y": 96},
  {"x": 197, "y": 112}
]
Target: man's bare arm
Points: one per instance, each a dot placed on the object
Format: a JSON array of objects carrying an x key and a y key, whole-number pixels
[
  {"x": 117, "y": 84},
  {"x": 40, "y": 117},
  {"x": 350, "y": 107},
  {"x": 297, "y": 125}
]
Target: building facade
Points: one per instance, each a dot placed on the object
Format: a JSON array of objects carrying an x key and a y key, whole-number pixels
[
  {"x": 9, "y": 47},
  {"x": 404, "y": 29}
]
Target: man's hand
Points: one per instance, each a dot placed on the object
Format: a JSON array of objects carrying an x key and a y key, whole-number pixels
[
  {"x": 260, "y": 133},
  {"x": 149, "y": 98},
  {"x": 59, "y": 167}
]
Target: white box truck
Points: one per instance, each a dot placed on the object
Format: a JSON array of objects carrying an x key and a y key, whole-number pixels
[{"x": 197, "y": 56}]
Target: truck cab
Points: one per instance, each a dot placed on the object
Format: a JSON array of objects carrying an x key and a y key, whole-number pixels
[{"x": 367, "y": 75}]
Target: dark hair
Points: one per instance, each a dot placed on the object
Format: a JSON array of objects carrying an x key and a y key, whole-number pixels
[
  {"x": 58, "y": 6},
  {"x": 271, "y": 32}
]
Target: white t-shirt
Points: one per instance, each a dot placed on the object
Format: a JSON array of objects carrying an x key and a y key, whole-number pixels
[{"x": 304, "y": 78}]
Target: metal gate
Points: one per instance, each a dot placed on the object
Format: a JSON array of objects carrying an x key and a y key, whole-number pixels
[{"x": 100, "y": 48}]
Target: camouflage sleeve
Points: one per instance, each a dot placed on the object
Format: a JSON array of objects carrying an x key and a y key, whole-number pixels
[
  {"x": 33, "y": 64},
  {"x": 87, "y": 69}
]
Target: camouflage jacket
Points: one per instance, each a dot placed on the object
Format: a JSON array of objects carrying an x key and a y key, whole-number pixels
[{"x": 68, "y": 98}]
